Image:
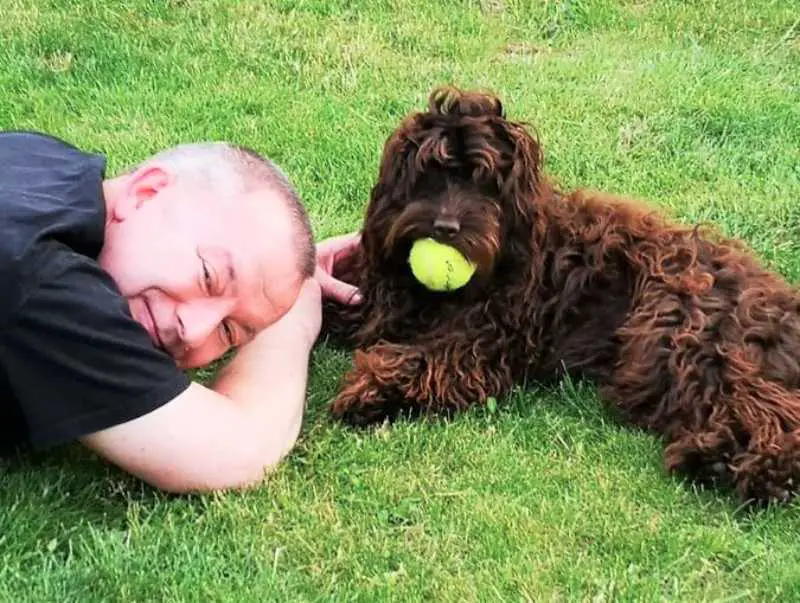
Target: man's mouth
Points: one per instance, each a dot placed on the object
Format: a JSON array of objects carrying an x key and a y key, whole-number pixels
[{"x": 155, "y": 335}]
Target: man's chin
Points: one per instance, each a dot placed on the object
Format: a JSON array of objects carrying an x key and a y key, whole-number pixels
[{"x": 189, "y": 364}]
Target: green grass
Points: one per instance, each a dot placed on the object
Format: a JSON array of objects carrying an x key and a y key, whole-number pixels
[{"x": 693, "y": 106}]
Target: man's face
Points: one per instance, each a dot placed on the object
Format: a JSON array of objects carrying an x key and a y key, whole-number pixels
[{"x": 202, "y": 271}]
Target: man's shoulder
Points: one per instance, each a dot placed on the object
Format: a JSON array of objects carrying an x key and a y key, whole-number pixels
[
  {"x": 50, "y": 191},
  {"x": 73, "y": 293},
  {"x": 51, "y": 264},
  {"x": 26, "y": 155},
  {"x": 32, "y": 139}
]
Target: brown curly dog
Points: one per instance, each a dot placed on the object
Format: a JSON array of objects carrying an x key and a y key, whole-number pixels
[{"x": 684, "y": 332}]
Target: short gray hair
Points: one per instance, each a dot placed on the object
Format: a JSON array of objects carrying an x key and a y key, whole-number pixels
[{"x": 239, "y": 169}]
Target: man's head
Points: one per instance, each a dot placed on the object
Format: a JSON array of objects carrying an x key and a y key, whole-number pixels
[{"x": 209, "y": 243}]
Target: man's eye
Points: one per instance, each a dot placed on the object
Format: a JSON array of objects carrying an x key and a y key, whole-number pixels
[
  {"x": 208, "y": 278},
  {"x": 228, "y": 333}
]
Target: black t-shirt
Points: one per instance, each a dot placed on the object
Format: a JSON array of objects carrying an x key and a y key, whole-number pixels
[{"x": 72, "y": 358}]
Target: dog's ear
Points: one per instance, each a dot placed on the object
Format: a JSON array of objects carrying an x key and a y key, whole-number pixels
[
  {"x": 396, "y": 171},
  {"x": 396, "y": 176},
  {"x": 448, "y": 100},
  {"x": 523, "y": 178}
]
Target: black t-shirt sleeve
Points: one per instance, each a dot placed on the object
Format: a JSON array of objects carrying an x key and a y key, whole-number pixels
[{"x": 75, "y": 359}]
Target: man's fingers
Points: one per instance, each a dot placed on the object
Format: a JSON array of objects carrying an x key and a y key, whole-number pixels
[
  {"x": 329, "y": 253},
  {"x": 339, "y": 243},
  {"x": 342, "y": 292}
]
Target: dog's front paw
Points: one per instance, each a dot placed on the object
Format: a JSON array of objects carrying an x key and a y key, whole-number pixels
[{"x": 359, "y": 404}]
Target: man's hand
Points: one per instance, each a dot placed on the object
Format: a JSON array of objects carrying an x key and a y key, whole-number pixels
[
  {"x": 303, "y": 320},
  {"x": 330, "y": 253}
]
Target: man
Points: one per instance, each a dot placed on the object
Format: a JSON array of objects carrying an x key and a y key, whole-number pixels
[{"x": 111, "y": 288}]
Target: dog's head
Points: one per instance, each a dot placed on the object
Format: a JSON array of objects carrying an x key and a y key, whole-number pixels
[{"x": 461, "y": 173}]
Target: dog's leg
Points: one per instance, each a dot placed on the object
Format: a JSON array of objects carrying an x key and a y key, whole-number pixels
[
  {"x": 724, "y": 423},
  {"x": 388, "y": 380},
  {"x": 691, "y": 414},
  {"x": 371, "y": 390},
  {"x": 755, "y": 446},
  {"x": 768, "y": 467},
  {"x": 704, "y": 456},
  {"x": 340, "y": 323}
]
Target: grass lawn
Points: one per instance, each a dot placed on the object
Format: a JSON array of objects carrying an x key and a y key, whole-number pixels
[{"x": 693, "y": 105}]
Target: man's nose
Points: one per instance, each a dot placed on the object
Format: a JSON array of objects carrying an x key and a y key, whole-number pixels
[{"x": 199, "y": 319}]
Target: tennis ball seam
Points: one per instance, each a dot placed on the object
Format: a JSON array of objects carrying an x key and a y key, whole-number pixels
[{"x": 450, "y": 275}]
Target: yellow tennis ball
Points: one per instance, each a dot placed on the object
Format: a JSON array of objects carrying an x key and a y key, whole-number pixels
[{"x": 438, "y": 266}]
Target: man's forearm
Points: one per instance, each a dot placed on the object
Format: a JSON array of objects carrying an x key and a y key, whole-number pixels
[
  {"x": 205, "y": 441},
  {"x": 267, "y": 379}
]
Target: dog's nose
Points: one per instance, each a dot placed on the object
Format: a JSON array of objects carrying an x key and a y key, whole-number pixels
[{"x": 447, "y": 226}]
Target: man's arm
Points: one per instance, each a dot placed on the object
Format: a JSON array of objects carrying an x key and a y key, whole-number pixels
[{"x": 231, "y": 435}]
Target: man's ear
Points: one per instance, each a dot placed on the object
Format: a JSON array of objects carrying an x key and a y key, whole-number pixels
[{"x": 142, "y": 185}]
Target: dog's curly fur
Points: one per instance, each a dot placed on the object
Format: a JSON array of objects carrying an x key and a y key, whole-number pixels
[{"x": 684, "y": 332}]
